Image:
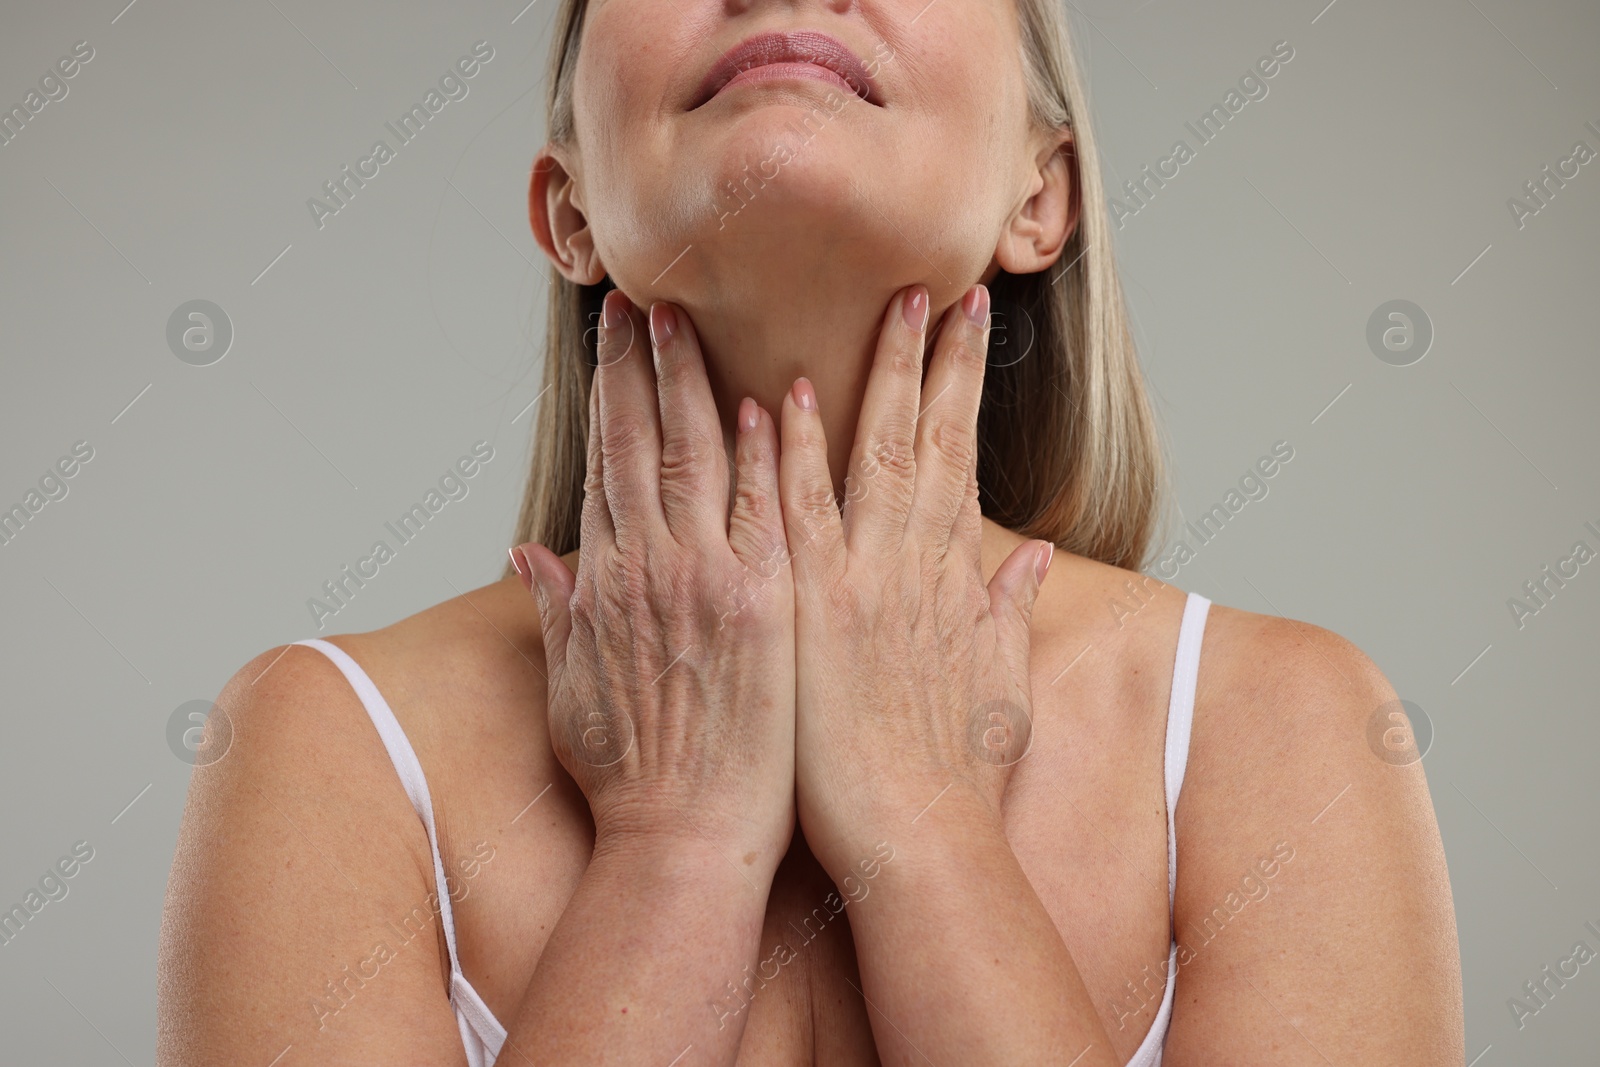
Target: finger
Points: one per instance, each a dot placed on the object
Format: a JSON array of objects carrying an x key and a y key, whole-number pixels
[
  {"x": 547, "y": 576},
  {"x": 812, "y": 524},
  {"x": 755, "y": 528},
  {"x": 596, "y": 530},
  {"x": 966, "y": 536},
  {"x": 694, "y": 460},
  {"x": 630, "y": 423},
  {"x": 881, "y": 476},
  {"x": 1013, "y": 592},
  {"x": 947, "y": 430}
]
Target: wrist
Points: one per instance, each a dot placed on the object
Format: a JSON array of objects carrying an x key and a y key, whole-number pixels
[
  {"x": 661, "y": 861},
  {"x": 938, "y": 825},
  {"x": 679, "y": 831},
  {"x": 942, "y": 867}
]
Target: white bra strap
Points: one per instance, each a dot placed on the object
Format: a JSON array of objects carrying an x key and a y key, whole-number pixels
[
  {"x": 404, "y": 758},
  {"x": 1180, "y": 721}
]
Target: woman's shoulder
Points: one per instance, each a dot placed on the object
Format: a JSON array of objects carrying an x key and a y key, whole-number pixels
[
  {"x": 462, "y": 674},
  {"x": 476, "y": 644},
  {"x": 1306, "y": 834},
  {"x": 1272, "y": 694},
  {"x": 1303, "y": 763},
  {"x": 298, "y": 835},
  {"x": 1265, "y": 675},
  {"x": 1255, "y": 668}
]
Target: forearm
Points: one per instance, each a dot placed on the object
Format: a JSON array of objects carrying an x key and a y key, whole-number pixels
[
  {"x": 960, "y": 963},
  {"x": 640, "y": 959}
]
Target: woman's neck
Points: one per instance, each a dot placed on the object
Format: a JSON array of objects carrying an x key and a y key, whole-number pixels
[{"x": 756, "y": 344}]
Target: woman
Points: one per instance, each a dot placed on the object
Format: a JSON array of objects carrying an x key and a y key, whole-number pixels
[{"x": 817, "y": 750}]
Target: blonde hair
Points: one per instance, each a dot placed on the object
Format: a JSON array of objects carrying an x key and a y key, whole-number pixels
[{"x": 1068, "y": 449}]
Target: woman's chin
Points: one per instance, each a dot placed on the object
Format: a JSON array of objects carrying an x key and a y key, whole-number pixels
[
  {"x": 781, "y": 161},
  {"x": 774, "y": 204}
]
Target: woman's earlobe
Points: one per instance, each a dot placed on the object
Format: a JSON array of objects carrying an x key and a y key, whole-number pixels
[{"x": 559, "y": 223}]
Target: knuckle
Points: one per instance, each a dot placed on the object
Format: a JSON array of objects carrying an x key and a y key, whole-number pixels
[
  {"x": 892, "y": 456},
  {"x": 582, "y": 610},
  {"x": 951, "y": 440},
  {"x": 747, "y": 533},
  {"x": 752, "y": 504},
  {"x": 626, "y": 433},
  {"x": 807, "y": 437},
  {"x": 594, "y": 483},
  {"x": 675, "y": 367},
  {"x": 969, "y": 354},
  {"x": 892, "y": 496},
  {"x": 815, "y": 499},
  {"x": 683, "y": 455},
  {"x": 906, "y": 360}
]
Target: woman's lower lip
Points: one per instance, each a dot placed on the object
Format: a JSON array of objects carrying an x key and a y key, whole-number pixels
[{"x": 786, "y": 72}]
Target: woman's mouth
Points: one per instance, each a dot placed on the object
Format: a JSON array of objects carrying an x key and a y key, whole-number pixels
[{"x": 786, "y": 56}]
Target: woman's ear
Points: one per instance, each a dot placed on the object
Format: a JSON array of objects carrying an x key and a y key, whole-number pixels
[
  {"x": 1040, "y": 228},
  {"x": 555, "y": 212}
]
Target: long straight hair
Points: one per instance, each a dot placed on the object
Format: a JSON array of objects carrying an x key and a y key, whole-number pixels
[{"x": 1067, "y": 444}]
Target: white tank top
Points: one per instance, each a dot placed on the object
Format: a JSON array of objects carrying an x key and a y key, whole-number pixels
[{"x": 482, "y": 1033}]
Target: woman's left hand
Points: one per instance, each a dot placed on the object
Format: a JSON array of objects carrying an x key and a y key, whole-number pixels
[{"x": 912, "y": 686}]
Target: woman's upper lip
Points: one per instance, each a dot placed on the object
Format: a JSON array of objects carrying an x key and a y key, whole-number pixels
[{"x": 796, "y": 46}]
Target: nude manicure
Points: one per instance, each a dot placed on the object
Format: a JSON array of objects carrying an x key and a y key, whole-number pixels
[
  {"x": 616, "y": 308},
  {"x": 914, "y": 308},
  {"x": 520, "y": 562},
  {"x": 976, "y": 305},
  {"x": 804, "y": 394},
  {"x": 663, "y": 324}
]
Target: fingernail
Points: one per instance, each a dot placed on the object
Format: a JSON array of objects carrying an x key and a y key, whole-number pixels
[
  {"x": 748, "y": 413},
  {"x": 914, "y": 308},
  {"x": 663, "y": 324},
  {"x": 976, "y": 305},
  {"x": 615, "y": 309},
  {"x": 524, "y": 571},
  {"x": 804, "y": 395},
  {"x": 1042, "y": 566}
]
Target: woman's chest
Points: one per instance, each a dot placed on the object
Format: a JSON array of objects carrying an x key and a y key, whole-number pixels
[{"x": 1087, "y": 825}]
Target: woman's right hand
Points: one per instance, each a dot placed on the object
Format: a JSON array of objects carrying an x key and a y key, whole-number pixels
[{"x": 671, "y": 651}]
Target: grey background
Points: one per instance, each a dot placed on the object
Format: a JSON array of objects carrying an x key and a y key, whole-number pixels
[{"x": 370, "y": 354}]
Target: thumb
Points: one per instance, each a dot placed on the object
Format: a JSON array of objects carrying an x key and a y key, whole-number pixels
[
  {"x": 1013, "y": 591},
  {"x": 551, "y": 582}
]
